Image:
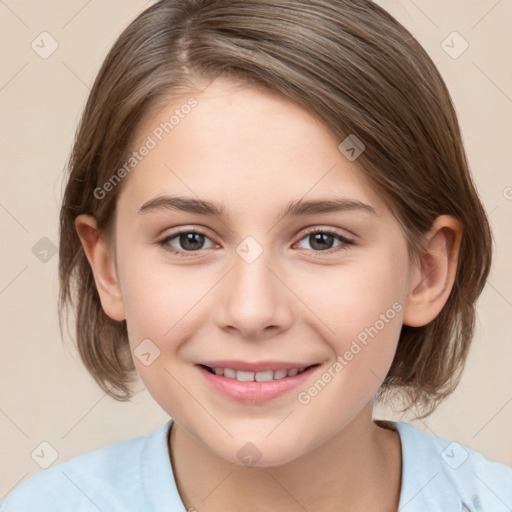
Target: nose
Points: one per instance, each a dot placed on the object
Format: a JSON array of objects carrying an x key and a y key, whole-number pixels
[{"x": 255, "y": 300}]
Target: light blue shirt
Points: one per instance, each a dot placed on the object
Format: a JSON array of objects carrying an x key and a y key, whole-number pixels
[{"x": 136, "y": 475}]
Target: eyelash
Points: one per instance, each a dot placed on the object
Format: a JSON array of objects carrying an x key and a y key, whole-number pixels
[{"x": 164, "y": 243}]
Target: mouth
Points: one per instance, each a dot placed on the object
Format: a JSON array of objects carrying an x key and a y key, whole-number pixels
[
  {"x": 256, "y": 376},
  {"x": 255, "y": 383}
]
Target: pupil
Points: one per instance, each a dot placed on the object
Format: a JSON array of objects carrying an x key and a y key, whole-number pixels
[
  {"x": 319, "y": 238},
  {"x": 187, "y": 241}
]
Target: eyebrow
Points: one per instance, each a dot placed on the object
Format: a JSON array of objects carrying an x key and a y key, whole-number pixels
[{"x": 293, "y": 208}]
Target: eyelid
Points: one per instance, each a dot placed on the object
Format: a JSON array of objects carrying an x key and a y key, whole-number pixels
[{"x": 328, "y": 230}]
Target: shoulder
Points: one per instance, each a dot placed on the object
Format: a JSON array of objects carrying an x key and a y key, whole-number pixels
[
  {"x": 435, "y": 466},
  {"x": 91, "y": 481}
]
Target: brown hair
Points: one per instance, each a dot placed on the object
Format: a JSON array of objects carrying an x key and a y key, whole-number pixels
[{"x": 354, "y": 67}]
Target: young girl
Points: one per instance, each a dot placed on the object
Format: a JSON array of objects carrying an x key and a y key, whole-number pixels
[{"x": 270, "y": 219}]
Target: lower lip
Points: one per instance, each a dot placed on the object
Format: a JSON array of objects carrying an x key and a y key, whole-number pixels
[{"x": 255, "y": 392}]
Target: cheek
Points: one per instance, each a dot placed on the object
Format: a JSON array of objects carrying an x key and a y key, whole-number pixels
[
  {"x": 157, "y": 295},
  {"x": 352, "y": 298},
  {"x": 165, "y": 306},
  {"x": 361, "y": 323},
  {"x": 159, "y": 304},
  {"x": 358, "y": 310}
]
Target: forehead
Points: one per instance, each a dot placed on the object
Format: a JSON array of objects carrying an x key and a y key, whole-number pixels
[{"x": 241, "y": 147}]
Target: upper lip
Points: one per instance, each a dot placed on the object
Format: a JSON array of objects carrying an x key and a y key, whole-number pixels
[{"x": 260, "y": 366}]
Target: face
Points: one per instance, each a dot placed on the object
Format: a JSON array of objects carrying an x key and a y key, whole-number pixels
[{"x": 256, "y": 288}]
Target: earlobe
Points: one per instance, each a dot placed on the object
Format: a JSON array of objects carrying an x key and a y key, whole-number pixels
[
  {"x": 431, "y": 282},
  {"x": 101, "y": 260}
]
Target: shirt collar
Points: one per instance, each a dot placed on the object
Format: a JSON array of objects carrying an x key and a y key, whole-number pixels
[
  {"x": 157, "y": 474},
  {"x": 423, "y": 486},
  {"x": 423, "y": 483}
]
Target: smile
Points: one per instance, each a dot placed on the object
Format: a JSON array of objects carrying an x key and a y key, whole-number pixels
[
  {"x": 264, "y": 383},
  {"x": 245, "y": 376}
]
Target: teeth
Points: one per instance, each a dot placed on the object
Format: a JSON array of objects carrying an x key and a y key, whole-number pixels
[
  {"x": 279, "y": 374},
  {"x": 228, "y": 372},
  {"x": 244, "y": 376},
  {"x": 265, "y": 376}
]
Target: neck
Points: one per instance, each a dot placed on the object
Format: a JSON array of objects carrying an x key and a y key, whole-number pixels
[{"x": 358, "y": 469}]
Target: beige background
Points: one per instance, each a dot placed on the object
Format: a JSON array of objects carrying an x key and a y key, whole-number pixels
[{"x": 46, "y": 394}]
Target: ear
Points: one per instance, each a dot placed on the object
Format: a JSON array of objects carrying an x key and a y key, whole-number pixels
[
  {"x": 431, "y": 281},
  {"x": 101, "y": 259}
]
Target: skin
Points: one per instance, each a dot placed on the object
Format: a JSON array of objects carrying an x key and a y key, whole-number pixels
[{"x": 253, "y": 152}]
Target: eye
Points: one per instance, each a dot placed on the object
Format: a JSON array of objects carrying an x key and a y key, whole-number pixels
[
  {"x": 321, "y": 240},
  {"x": 190, "y": 240}
]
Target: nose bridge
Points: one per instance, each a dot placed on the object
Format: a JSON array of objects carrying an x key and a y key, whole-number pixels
[{"x": 254, "y": 298}]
